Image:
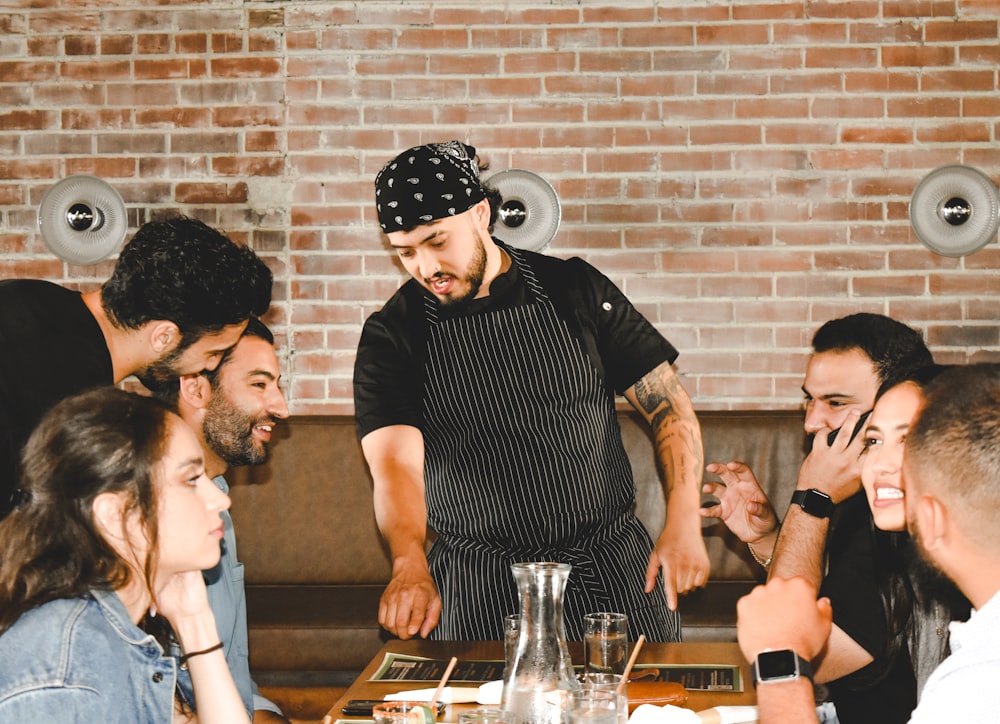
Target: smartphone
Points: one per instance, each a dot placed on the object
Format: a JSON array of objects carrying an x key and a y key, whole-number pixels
[
  {"x": 363, "y": 707},
  {"x": 857, "y": 428}
]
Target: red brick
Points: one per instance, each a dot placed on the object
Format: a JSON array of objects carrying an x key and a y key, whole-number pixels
[
  {"x": 211, "y": 193},
  {"x": 841, "y": 57},
  {"x": 657, "y": 36},
  {"x": 880, "y": 134},
  {"x": 944, "y": 132},
  {"x": 960, "y": 31},
  {"x": 921, "y": 56},
  {"x": 249, "y": 67}
]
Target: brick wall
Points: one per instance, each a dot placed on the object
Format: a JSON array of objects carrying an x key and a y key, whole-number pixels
[{"x": 741, "y": 169}]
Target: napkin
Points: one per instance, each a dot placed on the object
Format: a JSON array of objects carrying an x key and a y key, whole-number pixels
[
  {"x": 449, "y": 695},
  {"x": 490, "y": 693},
  {"x": 669, "y": 714}
]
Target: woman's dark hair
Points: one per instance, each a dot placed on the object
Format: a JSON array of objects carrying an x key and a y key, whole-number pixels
[
  {"x": 183, "y": 271},
  {"x": 101, "y": 441},
  {"x": 894, "y": 559}
]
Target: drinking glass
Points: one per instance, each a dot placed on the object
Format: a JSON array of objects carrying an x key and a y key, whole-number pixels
[
  {"x": 591, "y": 706},
  {"x": 605, "y": 643},
  {"x": 609, "y": 683},
  {"x": 484, "y": 715},
  {"x": 511, "y": 632}
]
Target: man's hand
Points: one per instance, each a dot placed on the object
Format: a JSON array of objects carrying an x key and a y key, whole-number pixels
[
  {"x": 783, "y": 614},
  {"x": 834, "y": 469},
  {"x": 683, "y": 558},
  {"x": 410, "y": 604},
  {"x": 742, "y": 506}
]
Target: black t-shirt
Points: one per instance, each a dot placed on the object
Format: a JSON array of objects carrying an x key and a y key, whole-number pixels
[
  {"x": 870, "y": 694},
  {"x": 52, "y": 348},
  {"x": 620, "y": 343}
]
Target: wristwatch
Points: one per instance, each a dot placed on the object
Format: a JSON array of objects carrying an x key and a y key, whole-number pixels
[
  {"x": 815, "y": 503},
  {"x": 783, "y": 665}
]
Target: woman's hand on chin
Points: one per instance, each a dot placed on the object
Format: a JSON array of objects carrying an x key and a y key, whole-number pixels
[{"x": 183, "y": 596}]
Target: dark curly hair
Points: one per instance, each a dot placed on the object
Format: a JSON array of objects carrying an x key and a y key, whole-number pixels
[{"x": 183, "y": 271}]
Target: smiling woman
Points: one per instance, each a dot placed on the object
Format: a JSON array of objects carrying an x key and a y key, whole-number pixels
[
  {"x": 102, "y": 569},
  {"x": 917, "y": 606}
]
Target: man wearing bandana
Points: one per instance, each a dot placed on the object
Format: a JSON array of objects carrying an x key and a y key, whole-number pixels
[{"x": 485, "y": 402}]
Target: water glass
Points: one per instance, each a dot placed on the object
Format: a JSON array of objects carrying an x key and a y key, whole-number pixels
[
  {"x": 484, "y": 715},
  {"x": 609, "y": 683},
  {"x": 511, "y": 632},
  {"x": 605, "y": 643},
  {"x": 591, "y": 706}
]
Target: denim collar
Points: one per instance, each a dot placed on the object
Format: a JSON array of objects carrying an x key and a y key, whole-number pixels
[{"x": 113, "y": 610}]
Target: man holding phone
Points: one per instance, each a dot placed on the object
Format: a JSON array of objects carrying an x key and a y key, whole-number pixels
[{"x": 825, "y": 537}]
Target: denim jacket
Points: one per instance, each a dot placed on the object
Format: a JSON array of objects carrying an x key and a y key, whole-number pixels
[{"x": 84, "y": 660}]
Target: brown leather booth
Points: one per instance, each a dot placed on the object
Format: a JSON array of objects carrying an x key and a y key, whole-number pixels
[{"x": 316, "y": 565}]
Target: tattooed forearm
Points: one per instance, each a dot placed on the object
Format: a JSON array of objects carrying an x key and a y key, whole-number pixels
[
  {"x": 661, "y": 398},
  {"x": 656, "y": 397}
]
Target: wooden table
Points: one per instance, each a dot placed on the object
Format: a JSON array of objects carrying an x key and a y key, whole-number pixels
[{"x": 651, "y": 653}]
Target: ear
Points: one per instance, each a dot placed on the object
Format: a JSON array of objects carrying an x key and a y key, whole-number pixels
[
  {"x": 482, "y": 212},
  {"x": 934, "y": 522},
  {"x": 195, "y": 391},
  {"x": 164, "y": 336},
  {"x": 108, "y": 510}
]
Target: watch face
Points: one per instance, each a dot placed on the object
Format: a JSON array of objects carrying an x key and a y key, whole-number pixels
[{"x": 773, "y": 665}]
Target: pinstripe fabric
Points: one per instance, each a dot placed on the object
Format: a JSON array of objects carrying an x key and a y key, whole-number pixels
[{"x": 524, "y": 461}]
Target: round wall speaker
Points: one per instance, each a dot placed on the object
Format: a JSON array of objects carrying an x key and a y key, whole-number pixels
[
  {"x": 530, "y": 211},
  {"x": 955, "y": 210},
  {"x": 82, "y": 219}
]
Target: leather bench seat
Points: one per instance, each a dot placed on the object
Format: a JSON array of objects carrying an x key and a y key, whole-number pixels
[{"x": 316, "y": 565}]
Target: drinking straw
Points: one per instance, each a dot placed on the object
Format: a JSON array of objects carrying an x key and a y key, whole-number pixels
[
  {"x": 444, "y": 680},
  {"x": 630, "y": 664}
]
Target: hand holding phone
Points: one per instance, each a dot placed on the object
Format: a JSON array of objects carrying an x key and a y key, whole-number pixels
[{"x": 857, "y": 429}]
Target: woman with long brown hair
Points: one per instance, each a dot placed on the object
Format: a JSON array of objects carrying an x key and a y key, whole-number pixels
[{"x": 101, "y": 570}]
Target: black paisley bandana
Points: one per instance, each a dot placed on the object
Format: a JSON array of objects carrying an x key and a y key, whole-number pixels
[{"x": 427, "y": 183}]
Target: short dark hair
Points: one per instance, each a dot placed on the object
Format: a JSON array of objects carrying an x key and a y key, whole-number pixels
[
  {"x": 955, "y": 444},
  {"x": 168, "y": 390},
  {"x": 184, "y": 271},
  {"x": 895, "y": 349}
]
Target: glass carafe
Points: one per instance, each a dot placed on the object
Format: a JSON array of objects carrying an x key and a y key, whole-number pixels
[{"x": 541, "y": 671}]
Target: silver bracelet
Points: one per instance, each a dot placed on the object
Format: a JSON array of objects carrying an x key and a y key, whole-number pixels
[{"x": 763, "y": 564}]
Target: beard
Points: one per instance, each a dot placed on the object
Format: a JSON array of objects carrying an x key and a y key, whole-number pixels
[
  {"x": 930, "y": 583},
  {"x": 163, "y": 371},
  {"x": 474, "y": 274},
  {"x": 229, "y": 432}
]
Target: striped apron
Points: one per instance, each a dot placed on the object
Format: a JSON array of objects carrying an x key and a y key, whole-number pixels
[{"x": 524, "y": 462}]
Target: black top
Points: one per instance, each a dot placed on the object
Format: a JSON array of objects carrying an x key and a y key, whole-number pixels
[
  {"x": 52, "y": 348},
  {"x": 620, "y": 343},
  {"x": 871, "y": 694}
]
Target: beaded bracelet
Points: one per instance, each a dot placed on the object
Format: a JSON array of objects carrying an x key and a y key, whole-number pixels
[
  {"x": 763, "y": 564},
  {"x": 184, "y": 659}
]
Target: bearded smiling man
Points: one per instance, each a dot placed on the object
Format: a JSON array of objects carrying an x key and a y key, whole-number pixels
[
  {"x": 233, "y": 410},
  {"x": 484, "y": 396}
]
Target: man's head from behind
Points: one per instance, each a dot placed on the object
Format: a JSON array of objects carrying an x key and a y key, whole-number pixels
[
  {"x": 234, "y": 408},
  {"x": 951, "y": 465},
  {"x": 852, "y": 358},
  {"x": 185, "y": 273}
]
